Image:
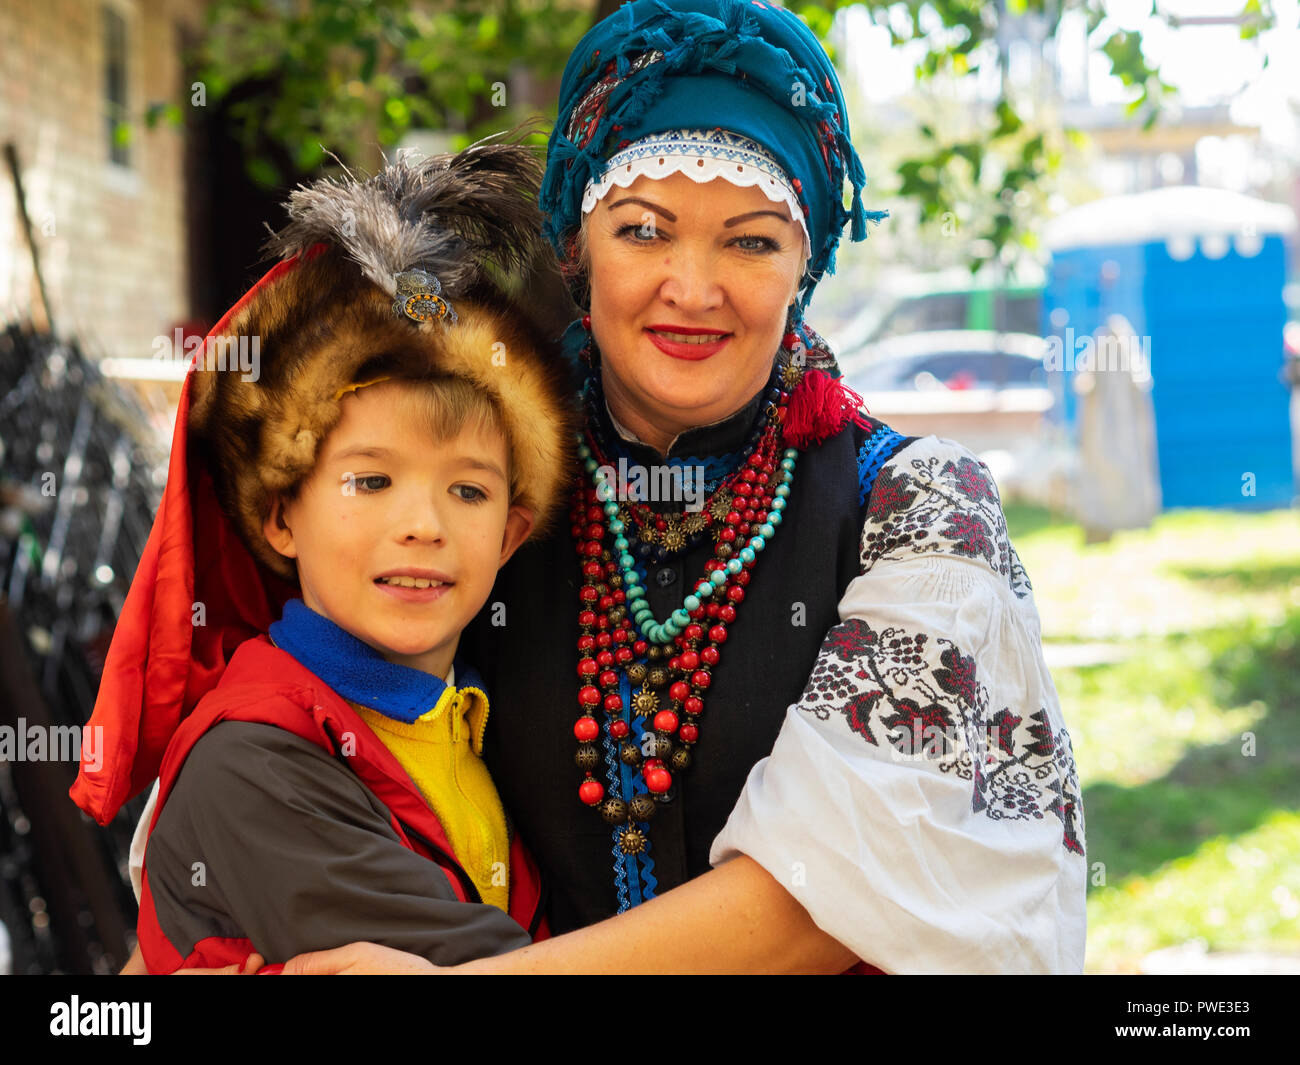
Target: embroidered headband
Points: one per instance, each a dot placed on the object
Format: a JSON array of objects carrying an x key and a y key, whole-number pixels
[{"x": 702, "y": 155}]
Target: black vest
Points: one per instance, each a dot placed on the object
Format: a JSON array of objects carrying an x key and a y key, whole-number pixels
[{"x": 529, "y": 664}]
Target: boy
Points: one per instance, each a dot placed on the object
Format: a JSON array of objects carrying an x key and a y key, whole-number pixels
[{"x": 406, "y": 433}]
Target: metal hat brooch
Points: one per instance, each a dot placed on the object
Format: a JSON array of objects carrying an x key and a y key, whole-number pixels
[{"x": 419, "y": 297}]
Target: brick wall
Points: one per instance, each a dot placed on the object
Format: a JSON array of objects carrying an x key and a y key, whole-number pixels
[{"x": 111, "y": 237}]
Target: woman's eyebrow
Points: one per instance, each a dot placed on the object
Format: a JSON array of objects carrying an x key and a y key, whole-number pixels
[
  {"x": 673, "y": 218},
  {"x": 645, "y": 203},
  {"x": 754, "y": 214}
]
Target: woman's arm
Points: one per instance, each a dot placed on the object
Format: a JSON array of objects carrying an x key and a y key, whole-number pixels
[
  {"x": 923, "y": 787},
  {"x": 733, "y": 919}
]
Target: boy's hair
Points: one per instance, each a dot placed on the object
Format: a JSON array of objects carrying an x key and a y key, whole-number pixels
[{"x": 446, "y": 407}]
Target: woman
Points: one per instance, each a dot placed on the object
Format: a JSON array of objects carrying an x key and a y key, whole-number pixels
[{"x": 812, "y": 721}]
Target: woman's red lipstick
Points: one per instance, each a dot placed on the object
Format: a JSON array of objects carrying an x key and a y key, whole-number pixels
[{"x": 679, "y": 349}]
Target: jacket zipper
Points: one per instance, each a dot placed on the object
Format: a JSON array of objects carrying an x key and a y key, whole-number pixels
[{"x": 480, "y": 820}]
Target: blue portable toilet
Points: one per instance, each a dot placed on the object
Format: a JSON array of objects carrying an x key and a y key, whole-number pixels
[{"x": 1199, "y": 274}]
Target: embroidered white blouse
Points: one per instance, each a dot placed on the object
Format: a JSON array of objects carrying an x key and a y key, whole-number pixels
[{"x": 921, "y": 800}]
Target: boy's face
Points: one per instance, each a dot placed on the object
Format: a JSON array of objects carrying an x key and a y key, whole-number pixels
[{"x": 386, "y": 500}]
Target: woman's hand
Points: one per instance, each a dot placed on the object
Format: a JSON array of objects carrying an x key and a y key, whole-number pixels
[
  {"x": 248, "y": 967},
  {"x": 359, "y": 959},
  {"x": 135, "y": 966}
]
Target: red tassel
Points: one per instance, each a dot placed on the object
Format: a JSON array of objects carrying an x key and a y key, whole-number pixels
[{"x": 820, "y": 407}]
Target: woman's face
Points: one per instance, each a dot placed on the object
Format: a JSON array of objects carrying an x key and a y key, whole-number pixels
[{"x": 670, "y": 257}]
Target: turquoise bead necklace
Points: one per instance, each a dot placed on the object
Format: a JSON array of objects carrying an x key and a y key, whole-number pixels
[
  {"x": 667, "y": 631},
  {"x": 621, "y": 641}
]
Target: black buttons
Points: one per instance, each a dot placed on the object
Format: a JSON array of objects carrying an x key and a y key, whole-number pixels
[{"x": 666, "y": 576}]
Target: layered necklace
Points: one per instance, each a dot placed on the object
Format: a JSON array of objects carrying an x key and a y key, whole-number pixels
[{"x": 643, "y": 679}]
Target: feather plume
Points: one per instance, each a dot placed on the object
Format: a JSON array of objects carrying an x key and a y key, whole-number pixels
[{"x": 452, "y": 215}]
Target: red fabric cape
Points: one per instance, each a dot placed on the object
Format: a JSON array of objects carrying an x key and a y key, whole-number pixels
[{"x": 162, "y": 661}]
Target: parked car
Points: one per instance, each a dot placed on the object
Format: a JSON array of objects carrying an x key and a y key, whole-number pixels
[
  {"x": 986, "y": 390},
  {"x": 957, "y": 359},
  {"x": 951, "y": 299}
]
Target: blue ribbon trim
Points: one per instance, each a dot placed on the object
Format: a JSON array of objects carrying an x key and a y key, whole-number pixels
[{"x": 876, "y": 450}]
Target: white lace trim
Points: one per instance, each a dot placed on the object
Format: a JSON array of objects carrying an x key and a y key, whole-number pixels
[{"x": 701, "y": 155}]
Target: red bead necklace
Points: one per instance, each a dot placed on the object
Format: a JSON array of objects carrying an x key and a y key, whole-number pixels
[{"x": 671, "y": 672}]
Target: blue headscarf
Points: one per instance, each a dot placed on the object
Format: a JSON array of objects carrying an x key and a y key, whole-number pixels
[{"x": 741, "y": 65}]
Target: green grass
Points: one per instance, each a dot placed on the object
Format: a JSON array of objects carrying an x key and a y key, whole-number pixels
[
  {"x": 1189, "y": 747},
  {"x": 1191, "y": 570},
  {"x": 1235, "y": 892}
]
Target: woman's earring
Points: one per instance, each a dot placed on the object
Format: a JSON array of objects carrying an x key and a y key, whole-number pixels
[
  {"x": 792, "y": 319},
  {"x": 589, "y": 356},
  {"x": 794, "y": 351}
]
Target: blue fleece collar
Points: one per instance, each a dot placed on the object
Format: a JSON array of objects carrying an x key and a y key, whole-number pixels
[{"x": 357, "y": 671}]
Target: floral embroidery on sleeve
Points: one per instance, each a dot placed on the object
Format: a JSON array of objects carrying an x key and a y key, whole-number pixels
[
  {"x": 920, "y": 698},
  {"x": 944, "y": 502}
]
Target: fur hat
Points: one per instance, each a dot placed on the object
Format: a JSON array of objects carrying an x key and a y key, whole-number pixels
[
  {"x": 207, "y": 579},
  {"x": 396, "y": 275}
]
